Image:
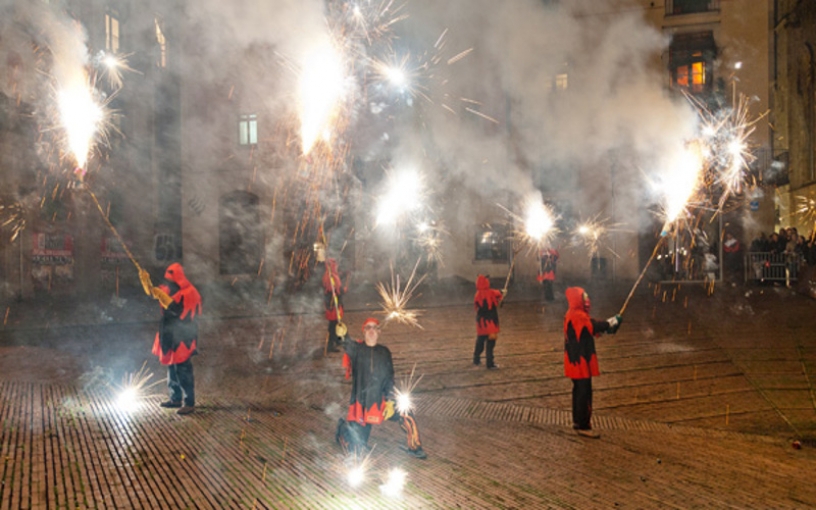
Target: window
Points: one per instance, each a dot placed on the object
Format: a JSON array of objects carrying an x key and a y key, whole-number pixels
[
  {"x": 492, "y": 243},
  {"x": 561, "y": 81},
  {"x": 111, "y": 33},
  {"x": 691, "y": 59},
  {"x": 248, "y": 129},
  {"x": 691, "y": 6},
  {"x": 162, "y": 42}
]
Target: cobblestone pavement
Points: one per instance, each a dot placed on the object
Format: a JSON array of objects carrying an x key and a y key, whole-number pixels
[{"x": 699, "y": 402}]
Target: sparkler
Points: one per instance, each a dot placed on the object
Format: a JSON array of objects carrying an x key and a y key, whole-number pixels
[{"x": 395, "y": 298}]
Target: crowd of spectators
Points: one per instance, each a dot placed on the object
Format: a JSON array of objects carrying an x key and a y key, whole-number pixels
[{"x": 787, "y": 241}]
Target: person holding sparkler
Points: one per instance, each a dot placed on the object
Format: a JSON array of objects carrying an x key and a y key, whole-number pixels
[
  {"x": 548, "y": 257},
  {"x": 486, "y": 302},
  {"x": 176, "y": 340},
  {"x": 333, "y": 300},
  {"x": 580, "y": 360},
  {"x": 373, "y": 397}
]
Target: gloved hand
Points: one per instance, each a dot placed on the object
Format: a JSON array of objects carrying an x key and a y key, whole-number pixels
[
  {"x": 614, "y": 323},
  {"x": 504, "y": 292},
  {"x": 388, "y": 410},
  {"x": 162, "y": 297},
  {"x": 340, "y": 330},
  {"x": 147, "y": 285}
]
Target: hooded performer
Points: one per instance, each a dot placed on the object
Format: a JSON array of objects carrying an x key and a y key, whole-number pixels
[
  {"x": 580, "y": 360},
  {"x": 372, "y": 393},
  {"x": 176, "y": 340},
  {"x": 486, "y": 303}
]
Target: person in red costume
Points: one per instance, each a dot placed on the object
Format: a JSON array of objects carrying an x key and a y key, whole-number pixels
[
  {"x": 580, "y": 360},
  {"x": 486, "y": 302},
  {"x": 372, "y": 395},
  {"x": 176, "y": 340}
]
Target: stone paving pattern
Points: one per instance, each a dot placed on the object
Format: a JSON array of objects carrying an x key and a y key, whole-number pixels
[{"x": 698, "y": 403}]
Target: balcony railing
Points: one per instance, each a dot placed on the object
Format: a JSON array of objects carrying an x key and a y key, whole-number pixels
[{"x": 691, "y": 6}]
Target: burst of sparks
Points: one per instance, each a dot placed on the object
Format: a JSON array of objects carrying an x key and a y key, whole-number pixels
[
  {"x": 394, "y": 484},
  {"x": 806, "y": 208},
  {"x": 12, "y": 215},
  {"x": 81, "y": 116},
  {"x": 536, "y": 229},
  {"x": 591, "y": 233},
  {"x": 680, "y": 180},
  {"x": 429, "y": 238},
  {"x": 133, "y": 389},
  {"x": 112, "y": 66},
  {"x": 395, "y": 298},
  {"x": 404, "y": 196},
  {"x": 404, "y": 403},
  {"x": 321, "y": 86}
]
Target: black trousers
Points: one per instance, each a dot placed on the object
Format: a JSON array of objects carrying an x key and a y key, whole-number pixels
[
  {"x": 483, "y": 342},
  {"x": 547, "y": 290},
  {"x": 334, "y": 340},
  {"x": 181, "y": 382},
  {"x": 356, "y": 436},
  {"x": 582, "y": 403}
]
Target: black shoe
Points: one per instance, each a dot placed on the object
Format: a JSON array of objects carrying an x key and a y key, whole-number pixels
[
  {"x": 171, "y": 404},
  {"x": 476, "y": 363},
  {"x": 417, "y": 453},
  {"x": 186, "y": 410},
  {"x": 493, "y": 367}
]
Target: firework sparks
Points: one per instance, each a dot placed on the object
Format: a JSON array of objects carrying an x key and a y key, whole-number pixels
[
  {"x": 12, "y": 215},
  {"x": 81, "y": 116},
  {"x": 404, "y": 197},
  {"x": 394, "y": 484},
  {"x": 537, "y": 225},
  {"x": 591, "y": 233},
  {"x": 321, "y": 87},
  {"x": 429, "y": 239},
  {"x": 133, "y": 389},
  {"x": 112, "y": 66},
  {"x": 404, "y": 403},
  {"x": 395, "y": 298}
]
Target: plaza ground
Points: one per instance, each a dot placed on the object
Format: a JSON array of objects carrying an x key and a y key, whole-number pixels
[{"x": 699, "y": 403}]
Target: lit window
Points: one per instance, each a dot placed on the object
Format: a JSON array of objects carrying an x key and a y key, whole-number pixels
[
  {"x": 111, "y": 33},
  {"x": 491, "y": 243},
  {"x": 561, "y": 81},
  {"x": 162, "y": 41},
  {"x": 691, "y": 58},
  {"x": 248, "y": 129}
]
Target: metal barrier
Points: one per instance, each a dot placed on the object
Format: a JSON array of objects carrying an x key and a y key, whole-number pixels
[{"x": 772, "y": 267}]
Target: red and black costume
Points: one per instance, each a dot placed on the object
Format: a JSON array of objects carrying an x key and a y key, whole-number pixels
[
  {"x": 176, "y": 340},
  {"x": 372, "y": 387},
  {"x": 333, "y": 301},
  {"x": 548, "y": 258},
  {"x": 486, "y": 303},
  {"x": 580, "y": 360}
]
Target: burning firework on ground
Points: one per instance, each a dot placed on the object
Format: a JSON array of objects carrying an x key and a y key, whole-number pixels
[
  {"x": 133, "y": 389},
  {"x": 394, "y": 483},
  {"x": 395, "y": 298}
]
